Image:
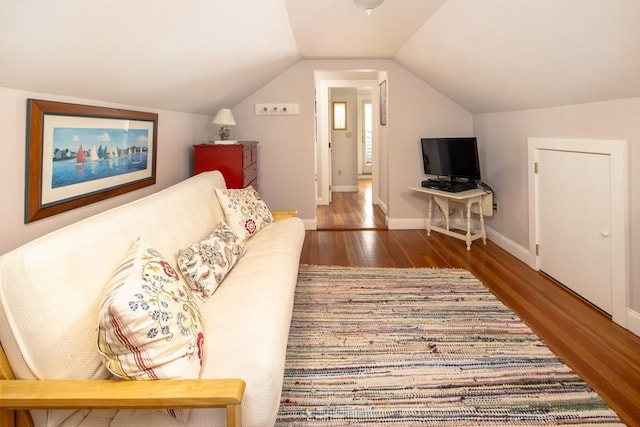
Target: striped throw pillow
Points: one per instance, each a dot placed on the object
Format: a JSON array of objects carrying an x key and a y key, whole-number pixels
[{"x": 149, "y": 325}]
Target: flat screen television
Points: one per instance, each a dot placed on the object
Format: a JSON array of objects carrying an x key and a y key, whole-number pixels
[{"x": 455, "y": 159}]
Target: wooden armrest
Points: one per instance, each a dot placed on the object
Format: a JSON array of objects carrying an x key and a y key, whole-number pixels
[
  {"x": 117, "y": 394},
  {"x": 283, "y": 214},
  {"x": 67, "y": 394}
]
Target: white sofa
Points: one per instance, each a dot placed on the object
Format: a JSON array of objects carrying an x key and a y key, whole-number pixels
[{"x": 51, "y": 289}]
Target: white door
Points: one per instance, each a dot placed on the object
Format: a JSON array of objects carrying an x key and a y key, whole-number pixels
[
  {"x": 329, "y": 148},
  {"x": 574, "y": 222}
]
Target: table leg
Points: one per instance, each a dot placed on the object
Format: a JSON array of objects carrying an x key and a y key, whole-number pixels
[
  {"x": 468, "y": 235},
  {"x": 482, "y": 230},
  {"x": 7, "y": 418},
  {"x": 430, "y": 213}
]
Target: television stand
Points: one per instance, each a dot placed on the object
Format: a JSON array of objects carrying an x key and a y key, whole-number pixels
[{"x": 470, "y": 200}]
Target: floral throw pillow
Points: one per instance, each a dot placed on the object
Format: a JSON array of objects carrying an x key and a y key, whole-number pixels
[
  {"x": 149, "y": 325},
  {"x": 205, "y": 264},
  {"x": 244, "y": 211}
]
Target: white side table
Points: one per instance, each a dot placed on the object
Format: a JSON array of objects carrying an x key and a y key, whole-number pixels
[{"x": 465, "y": 199}]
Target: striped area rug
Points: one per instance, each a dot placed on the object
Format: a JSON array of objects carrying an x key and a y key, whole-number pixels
[{"x": 371, "y": 346}]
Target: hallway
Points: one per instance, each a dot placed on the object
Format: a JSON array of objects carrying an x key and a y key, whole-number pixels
[{"x": 351, "y": 211}]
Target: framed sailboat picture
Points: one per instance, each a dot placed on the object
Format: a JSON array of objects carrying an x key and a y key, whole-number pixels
[{"x": 80, "y": 154}]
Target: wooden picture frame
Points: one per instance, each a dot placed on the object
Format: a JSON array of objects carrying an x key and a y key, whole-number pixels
[
  {"x": 80, "y": 154},
  {"x": 339, "y": 110},
  {"x": 383, "y": 103}
]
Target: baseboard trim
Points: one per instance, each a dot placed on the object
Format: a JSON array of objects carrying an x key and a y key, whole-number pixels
[
  {"x": 633, "y": 321},
  {"x": 344, "y": 188},
  {"x": 505, "y": 243},
  {"x": 382, "y": 206},
  {"x": 310, "y": 224},
  {"x": 509, "y": 245},
  {"x": 406, "y": 223}
]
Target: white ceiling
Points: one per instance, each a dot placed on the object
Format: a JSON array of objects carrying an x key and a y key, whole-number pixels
[{"x": 198, "y": 56}]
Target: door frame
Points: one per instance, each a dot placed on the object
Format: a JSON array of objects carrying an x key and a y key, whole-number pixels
[
  {"x": 323, "y": 151},
  {"x": 619, "y": 195},
  {"x": 364, "y": 99}
]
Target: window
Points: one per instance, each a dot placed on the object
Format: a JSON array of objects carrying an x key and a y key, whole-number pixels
[{"x": 339, "y": 116}]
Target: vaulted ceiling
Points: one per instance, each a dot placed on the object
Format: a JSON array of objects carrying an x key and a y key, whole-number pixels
[{"x": 197, "y": 56}]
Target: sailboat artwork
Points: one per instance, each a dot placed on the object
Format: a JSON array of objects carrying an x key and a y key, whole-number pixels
[
  {"x": 81, "y": 158},
  {"x": 81, "y": 154},
  {"x": 87, "y": 154},
  {"x": 136, "y": 157}
]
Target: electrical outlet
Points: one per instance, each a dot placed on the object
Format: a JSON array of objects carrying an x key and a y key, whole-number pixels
[{"x": 495, "y": 207}]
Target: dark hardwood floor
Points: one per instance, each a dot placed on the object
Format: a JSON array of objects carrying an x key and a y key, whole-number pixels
[{"x": 605, "y": 355}]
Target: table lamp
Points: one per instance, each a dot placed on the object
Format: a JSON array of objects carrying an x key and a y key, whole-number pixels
[{"x": 224, "y": 118}]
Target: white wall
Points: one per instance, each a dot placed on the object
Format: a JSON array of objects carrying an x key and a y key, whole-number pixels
[
  {"x": 286, "y": 158},
  {"x": 177, "y": 132},
  {"x": 503, "y": 141},
  {"x": 416, "y": 110},
  {"x": 286, "y": 150}
]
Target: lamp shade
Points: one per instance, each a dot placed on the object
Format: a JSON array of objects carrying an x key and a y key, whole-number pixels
[{"x": 224, "y": 117}]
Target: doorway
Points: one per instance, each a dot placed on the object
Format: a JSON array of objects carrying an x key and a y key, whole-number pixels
[
  {"x": 578, "y": 230},
  {"x": 364, "y": 161},
  {"x": 351, "y": 201}
]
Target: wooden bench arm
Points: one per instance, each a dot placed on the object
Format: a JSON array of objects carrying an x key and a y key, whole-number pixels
[
  {"x": 283, "y": 214},
  {"x": 117, "y": 394}
]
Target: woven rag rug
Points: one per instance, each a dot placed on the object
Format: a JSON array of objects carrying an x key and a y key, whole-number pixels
[{"x": 404, "y": 347}]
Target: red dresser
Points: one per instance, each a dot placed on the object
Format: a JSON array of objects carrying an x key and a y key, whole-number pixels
[{"x": 237, "y": 162}]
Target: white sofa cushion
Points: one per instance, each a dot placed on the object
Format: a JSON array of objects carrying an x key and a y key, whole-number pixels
[
  {"x": 205, "y": 264},
  {"x": 244, "y": 210}
]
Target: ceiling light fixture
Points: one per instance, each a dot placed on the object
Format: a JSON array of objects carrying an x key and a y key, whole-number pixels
[{"x": 368, "y": 5}]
